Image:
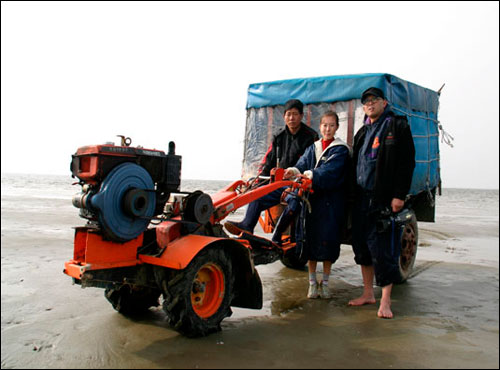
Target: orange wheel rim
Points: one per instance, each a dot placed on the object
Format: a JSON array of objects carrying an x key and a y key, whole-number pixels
[{"x": 207, "y": 291}]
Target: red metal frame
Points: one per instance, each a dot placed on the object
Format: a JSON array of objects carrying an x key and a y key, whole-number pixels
[{"x": 92, "y": 252}]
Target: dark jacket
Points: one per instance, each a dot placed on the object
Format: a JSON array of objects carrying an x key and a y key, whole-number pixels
[
  {"x": 323, "y": 232},
  {"x": 395, "y": 161},
  {"x": 289, "y": 148}
]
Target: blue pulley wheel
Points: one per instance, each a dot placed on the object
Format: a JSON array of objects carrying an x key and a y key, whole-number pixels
[{"x": 125, "y": 202}]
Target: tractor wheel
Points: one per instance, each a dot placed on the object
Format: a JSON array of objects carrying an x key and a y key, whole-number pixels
[
  {"x": 409, "y": 242},
  {"x": 130, "y": 300},
  {"x": 291, "y": 259},
  {"x": 198, "y": 298}
]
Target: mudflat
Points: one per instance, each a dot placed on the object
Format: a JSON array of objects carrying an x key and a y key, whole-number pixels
[{"x": 446, "y": 314}]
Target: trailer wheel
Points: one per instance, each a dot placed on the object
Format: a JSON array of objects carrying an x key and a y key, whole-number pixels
[
  {"x": 291, "y": 259},
  {"x": 198, "y": 298},
  {"x": 409, "y": 243},
  {"x": 130, "y": 300}
]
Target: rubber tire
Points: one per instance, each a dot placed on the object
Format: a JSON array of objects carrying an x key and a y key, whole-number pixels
[
  {"x": 409, "y": 244},
  {"x": 132, "y": 300},
  {"x": 177, "y": 295},
  {"x": 291, "y": 260}
]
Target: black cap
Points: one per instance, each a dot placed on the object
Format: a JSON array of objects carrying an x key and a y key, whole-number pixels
[{"x": 372, "y": 91}]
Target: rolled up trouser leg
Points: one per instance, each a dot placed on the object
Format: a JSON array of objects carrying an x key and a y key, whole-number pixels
[{"x": 384, "y": 251}]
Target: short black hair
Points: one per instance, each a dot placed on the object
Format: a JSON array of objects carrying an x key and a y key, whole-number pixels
[{"x": 294, "y": 103}]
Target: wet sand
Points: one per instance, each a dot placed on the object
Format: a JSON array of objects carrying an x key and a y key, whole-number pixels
[{"x": 446, "y": 315}]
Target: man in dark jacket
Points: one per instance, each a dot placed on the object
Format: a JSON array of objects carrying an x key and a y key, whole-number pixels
[
  {"x": 285, "y": 150},
  {"x": 384, "y": 160}
]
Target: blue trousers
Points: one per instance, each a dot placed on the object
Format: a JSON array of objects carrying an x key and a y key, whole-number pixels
[
  {"x": 257, "y": 206},
  {"x": 382, "y": 250}
]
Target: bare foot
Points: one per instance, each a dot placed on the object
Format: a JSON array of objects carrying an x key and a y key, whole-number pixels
[
  {"x": 364, "y": 299},
  {"x": 384, "y": 311}
]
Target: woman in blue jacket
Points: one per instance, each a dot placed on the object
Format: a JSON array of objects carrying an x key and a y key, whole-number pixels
[{"x": 325, "y": 163}]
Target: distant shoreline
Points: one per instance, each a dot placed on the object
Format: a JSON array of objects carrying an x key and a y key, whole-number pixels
[{"x": 212, "y": 180}]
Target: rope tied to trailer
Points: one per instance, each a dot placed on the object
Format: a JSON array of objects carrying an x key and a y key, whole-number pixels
[{"x": 445, "y": 136}]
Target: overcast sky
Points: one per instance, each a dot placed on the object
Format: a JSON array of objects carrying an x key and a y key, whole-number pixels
[{"x": 76, "y": 74}]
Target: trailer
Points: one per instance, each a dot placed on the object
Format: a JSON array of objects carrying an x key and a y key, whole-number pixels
[{"x": 342, "y": 94}]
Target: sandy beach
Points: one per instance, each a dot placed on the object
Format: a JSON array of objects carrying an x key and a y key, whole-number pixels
[{"x": 446, "y": 314}]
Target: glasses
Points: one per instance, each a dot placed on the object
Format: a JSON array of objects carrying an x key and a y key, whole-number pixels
[{"x": 371, "y": 100}]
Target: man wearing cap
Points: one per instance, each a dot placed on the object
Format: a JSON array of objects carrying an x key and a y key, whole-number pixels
[
  {"x": 286, "y": 148},
  {"x": 384, "y": 159}
]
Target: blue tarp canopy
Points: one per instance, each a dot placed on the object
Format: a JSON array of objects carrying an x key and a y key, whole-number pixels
[
  {"x": 341, "y": 88},
  {"x": 265, "y": 107}
]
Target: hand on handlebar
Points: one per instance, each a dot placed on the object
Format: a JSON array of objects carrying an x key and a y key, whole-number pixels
[
  {"x": 304, "y": 182},
  {"x": 308, "y": 183},
  {"x": 289, "y": 173}
]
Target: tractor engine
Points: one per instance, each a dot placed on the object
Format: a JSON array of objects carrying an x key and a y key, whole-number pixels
[{"x": 124, "y": 187}]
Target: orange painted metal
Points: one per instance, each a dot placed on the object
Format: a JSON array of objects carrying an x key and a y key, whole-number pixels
[
  {"x": 89, "y": 161},
  {"x": 180, "y": 252},
  {"x": 223, "y": 208},
  {"x": 89, "y": 165},
  {"x": 271, "y": 217},
  {"x": 208, "y": 290},
  {"x": 100, "y": 251},
  {"x": 226, "y": 194},
  {"x": 167, "y": 232},
  {"x": 92, "y": 252}
]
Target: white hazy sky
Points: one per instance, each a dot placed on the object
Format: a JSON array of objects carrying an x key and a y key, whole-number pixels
[{"x": 80, "y": 73}]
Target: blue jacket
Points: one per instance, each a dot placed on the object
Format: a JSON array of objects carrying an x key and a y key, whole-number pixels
[
  {"x": 329, "y": 167},
  {"x": 395, "y": 160}
]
